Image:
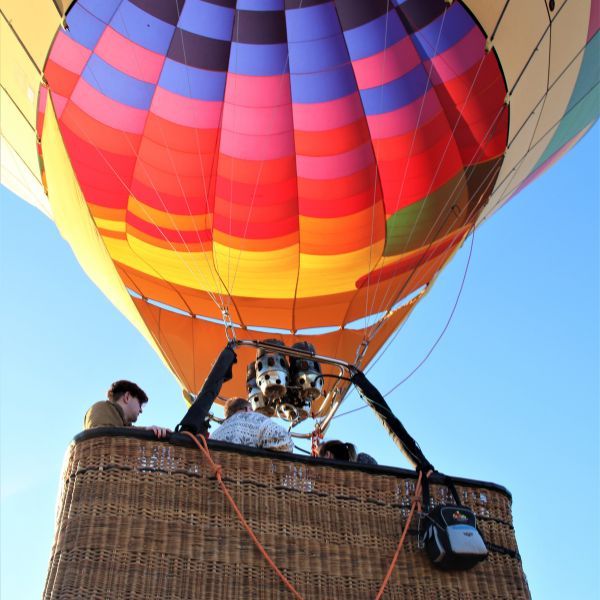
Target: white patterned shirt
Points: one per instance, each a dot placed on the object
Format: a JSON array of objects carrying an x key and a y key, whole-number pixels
[{"x": 254, "y": 429}]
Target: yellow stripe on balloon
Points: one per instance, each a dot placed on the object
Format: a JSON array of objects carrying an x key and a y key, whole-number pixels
[
  {"x": 165, "y": 220},
  {"x": 323, "y": 275},
  {"x": 269, "y": 274},
  {"x": 110, "y": 225},
  {"x": 189, "y": 269}
]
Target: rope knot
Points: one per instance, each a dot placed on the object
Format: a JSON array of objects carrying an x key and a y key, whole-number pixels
[{"x": 217, "y": 470}]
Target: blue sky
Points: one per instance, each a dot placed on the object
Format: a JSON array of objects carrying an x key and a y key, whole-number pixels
[{"x": 509, "y": 395}]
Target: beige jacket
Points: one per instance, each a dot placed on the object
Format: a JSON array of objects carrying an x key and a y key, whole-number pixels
[{"x": 104, "y": 414}]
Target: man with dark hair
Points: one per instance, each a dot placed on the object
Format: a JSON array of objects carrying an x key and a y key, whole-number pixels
[
  {"x": 242, "y": 426},
  {"x": 337, "y": 450},
  {"x": 124, "y": 405}
]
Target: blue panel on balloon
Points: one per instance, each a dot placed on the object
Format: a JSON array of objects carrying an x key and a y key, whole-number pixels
[
  {"x": 318, "y": 55},
  {"x": 84, "y": 28},
  {"x": 309, "y": 88},
  {"x": 373, "y": 37},
  {"x": 207, "y": 19},
  {"x": 397, "y": 93},
  {"x": 187, "y": 81},
  {"x": 142, "y": 28},
  {"x": 258, "y": 59},
  {"x": 312, "y": 23},
  {"x": 117, "y": 85}
]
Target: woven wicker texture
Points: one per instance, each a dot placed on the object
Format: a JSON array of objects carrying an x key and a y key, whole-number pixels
[{"x": 143, "y": 519}]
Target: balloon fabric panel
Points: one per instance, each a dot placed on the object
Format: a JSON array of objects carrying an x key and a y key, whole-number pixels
[
  {"x": 300, "y": 163},
  {"x": 296, "y": 164}
]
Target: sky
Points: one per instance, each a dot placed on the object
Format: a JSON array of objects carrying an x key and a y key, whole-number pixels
[{"x": 509, "y": 395}]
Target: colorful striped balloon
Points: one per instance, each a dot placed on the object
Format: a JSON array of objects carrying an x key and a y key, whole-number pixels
[{"x": 287, "y": 165}]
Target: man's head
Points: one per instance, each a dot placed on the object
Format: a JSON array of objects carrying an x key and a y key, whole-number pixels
[
  {"x": 235, "y": 405},
  {"x": 130, "y": 397}
]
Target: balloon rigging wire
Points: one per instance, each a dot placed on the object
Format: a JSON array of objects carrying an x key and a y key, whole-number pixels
[
  {"x": 543, "y": 98},
  {"x": 284, "y": 70},
  {"x": 141, "y": 204},
  {"x": 451, "y": 138},
  {"x": 437, "y": 341},
  {"x": 492, "y": 173},
  {"x": 375, "y": 147},
  {"x": 506, "y": 195},
  {"x": 376, "y": 326},
  {"x": 419, "y": 117},
  {"x": 150, "y": 219},
  {"x": 513, "y": 172},
  {"x": 236, "y": 35},
  {"x": 25, "y": 175},
  {"x": 218, "y": 302},
  {"x": 464, "y": 177},
  {"x": 396, "y": 333},
  {"x": 204, "y": 186},
  {"x": 368, "y": 337}
]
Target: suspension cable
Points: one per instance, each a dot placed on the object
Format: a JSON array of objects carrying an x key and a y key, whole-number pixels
[{"x": 437, "y": 341}]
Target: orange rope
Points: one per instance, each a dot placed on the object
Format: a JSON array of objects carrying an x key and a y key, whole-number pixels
[
  {"x": 415, "y": 501},
  {"x": 217, "y": 470},
  {"x": 316, "y": 438}
]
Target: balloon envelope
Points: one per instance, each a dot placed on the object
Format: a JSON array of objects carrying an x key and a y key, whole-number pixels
[{"x": 291, "y": 165}]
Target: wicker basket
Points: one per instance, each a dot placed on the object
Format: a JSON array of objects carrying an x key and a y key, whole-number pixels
[{"x": 142, "y": 519}]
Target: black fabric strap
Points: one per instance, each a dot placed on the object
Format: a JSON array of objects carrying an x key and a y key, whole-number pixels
[
  {"x": 452, "y": 488},
  {"x": 445, "y": 480},
  {"x": 426, "y": 494},
  {"x": 403, "y": 439},
  {"x": 196, "y": 419}
]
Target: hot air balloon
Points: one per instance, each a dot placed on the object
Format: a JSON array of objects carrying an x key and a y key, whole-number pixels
[
  {"x": 300, "y": 170},
  {"x": 292, "y": 169}
]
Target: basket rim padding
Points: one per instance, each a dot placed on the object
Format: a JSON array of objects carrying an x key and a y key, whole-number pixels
[{"x": 178, "y": 439}]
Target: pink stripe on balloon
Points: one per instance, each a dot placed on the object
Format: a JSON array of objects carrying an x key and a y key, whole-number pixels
[
  {"x": 42, "y": 97},
  {"x": 256, "y": 120},
  {"x": 457, "y": 59},
  {"x": 128, "y": 57},
  {"x": 252, "y": 90},
  {"x": 328, "y": 115},
  {"x": 200, "y": 114},
  {"x": 332, "y": 167},
  {"x": 108, "y": 111},
  {"x": 257, "y": 147},
  {"x": 59, "y": 103},
  {"x": 387, "y": 65},
  {"x": 68, "y": 53},
  {"x": 594, "y": 19},
  {"x": 406, "y": 118}
]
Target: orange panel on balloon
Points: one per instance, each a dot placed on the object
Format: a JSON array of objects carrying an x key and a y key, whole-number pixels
[{"x": 192, "y": 345}]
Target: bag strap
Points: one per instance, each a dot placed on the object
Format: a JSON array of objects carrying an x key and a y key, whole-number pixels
[
  {"x": 426, "y": 494},
  {"x": 447, "y": 481},
  {"x": 450, "y": 485}
]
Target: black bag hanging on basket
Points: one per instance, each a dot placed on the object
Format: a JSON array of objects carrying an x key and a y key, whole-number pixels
[{"x": 450, "y": 534}]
